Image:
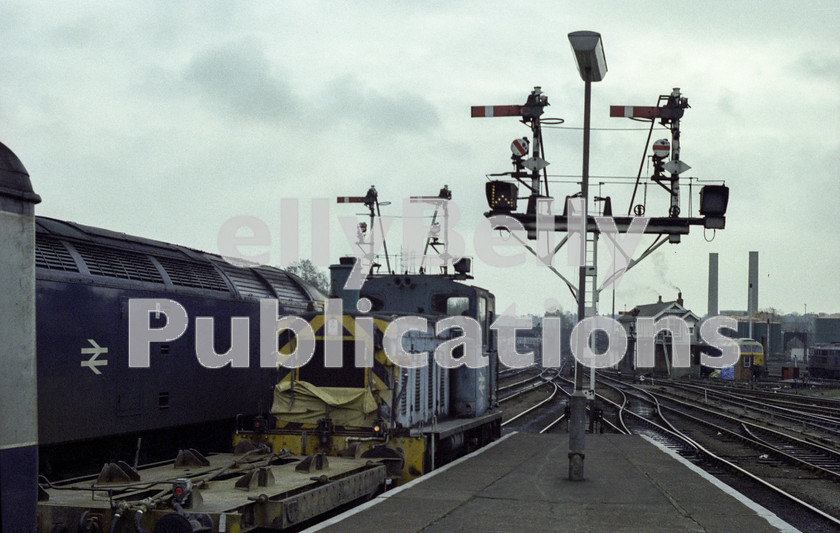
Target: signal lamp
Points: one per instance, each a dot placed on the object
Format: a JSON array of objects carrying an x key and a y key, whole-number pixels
[
  {"x": 713, "y": 200},
  {"x": 501, "y": 195},
  {"x": 462, "y": 266}
]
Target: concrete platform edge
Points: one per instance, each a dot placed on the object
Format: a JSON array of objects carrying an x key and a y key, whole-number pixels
[
  {"x": 381, "y": 498},
  {"x": 763, "y": 512}
]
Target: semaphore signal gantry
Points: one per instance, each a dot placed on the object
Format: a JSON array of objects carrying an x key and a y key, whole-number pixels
[{"x": 502, "y": 194}]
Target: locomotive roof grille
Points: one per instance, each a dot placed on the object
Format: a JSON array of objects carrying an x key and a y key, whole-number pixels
[
  {"x": 117, "y": 263},
  {"x": 121, "y": 256},
  {"x": 50, "y": 253},
  {"x": 245, "y": 281},
  {"x": 193, "y": 274},
  {"x": 282, "y": 284}
]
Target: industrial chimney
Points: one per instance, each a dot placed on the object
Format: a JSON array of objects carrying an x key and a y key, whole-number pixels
[
  {"x": 712, "y": 309},
  {"x": 752, "y": 294}
]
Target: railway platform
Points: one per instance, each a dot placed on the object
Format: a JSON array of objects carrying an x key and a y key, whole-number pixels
[{"x": 520, "y": 483}]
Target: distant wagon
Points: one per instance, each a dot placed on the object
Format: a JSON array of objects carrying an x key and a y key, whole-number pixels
[
  {"x": 824, "y": 361},
  {"x": 749, "y": 364}
]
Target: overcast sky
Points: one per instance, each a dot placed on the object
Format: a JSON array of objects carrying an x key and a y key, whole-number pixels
[{"x": 165, "y": 119}]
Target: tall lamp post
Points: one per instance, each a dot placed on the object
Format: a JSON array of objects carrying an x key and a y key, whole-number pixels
[{"x": 589, "y": 55}]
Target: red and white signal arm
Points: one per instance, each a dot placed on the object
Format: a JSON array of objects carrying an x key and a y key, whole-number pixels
[
  {"x": 519, "y": 147},
  {"x": 479, "y": 111},
  {"x": 638, "y": 111},
  {"x": 350, "y": 199},
  {"x": 661, "y": 148}
]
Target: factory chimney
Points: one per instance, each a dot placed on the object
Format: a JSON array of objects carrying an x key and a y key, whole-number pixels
[
  {"x": 712, "y": 309},
  {"x": 752, "y": 294}
]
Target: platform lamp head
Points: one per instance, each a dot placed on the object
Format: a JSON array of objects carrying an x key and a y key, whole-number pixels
[{"x": 589, "y": 54}]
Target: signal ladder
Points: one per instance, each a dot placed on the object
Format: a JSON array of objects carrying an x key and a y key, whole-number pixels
[{"x": 591, "y": 287}]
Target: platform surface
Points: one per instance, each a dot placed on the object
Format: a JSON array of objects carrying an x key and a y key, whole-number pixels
[{"x": 520, "y": 483}]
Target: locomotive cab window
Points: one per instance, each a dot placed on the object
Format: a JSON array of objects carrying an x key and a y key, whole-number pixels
[
  {"x": 451, "y": 305},
  {"x": 458, "y": 306},
  {"x": 348, "y": 375},
  {"x": 482, "y": 319}
]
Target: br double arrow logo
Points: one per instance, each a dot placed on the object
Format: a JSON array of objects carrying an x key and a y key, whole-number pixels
[{"x": 94, "y": 351}]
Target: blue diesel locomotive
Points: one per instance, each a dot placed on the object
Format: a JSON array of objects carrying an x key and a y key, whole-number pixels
[{"x": 89, "y": 400}]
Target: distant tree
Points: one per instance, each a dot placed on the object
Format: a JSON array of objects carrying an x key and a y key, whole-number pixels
[{"x": 312, "y": 274}]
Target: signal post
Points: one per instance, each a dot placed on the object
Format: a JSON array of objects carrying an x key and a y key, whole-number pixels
[{"x": 502, "y": 196}]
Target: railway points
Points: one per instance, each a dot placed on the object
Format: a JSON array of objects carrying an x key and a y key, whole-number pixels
[{"x": 791, "y": 476}]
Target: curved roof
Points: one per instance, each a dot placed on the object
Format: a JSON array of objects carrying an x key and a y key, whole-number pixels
[
  {"x": 14, "y": 179},
  {"x": 73, "y": 249}
]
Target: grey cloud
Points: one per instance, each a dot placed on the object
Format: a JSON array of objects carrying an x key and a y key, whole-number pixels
[
  {"x": 818, "y": 64},
  {"x": 727, "y": 104},
  {"x": 237, "y": 76},
  {"x": 396, "y": 112}
]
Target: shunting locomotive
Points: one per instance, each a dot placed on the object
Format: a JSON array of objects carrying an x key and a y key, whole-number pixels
[{"x": 416, "y": 418}]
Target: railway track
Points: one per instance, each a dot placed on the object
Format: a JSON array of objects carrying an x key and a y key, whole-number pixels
[
  {"x": 796, "y": 451},
  {"x": 543, "y": 420},
  {"x": 708, "y": 439},
  {"x": 637, "y": 417},
  {"x": 644, "y": 412},
  {"x": 566, "y": 386},
  {"x": 776, "y": 395},
  {"x": 802, "y": 415},
  {"x": 510, "y": 391},
  {"x": 508, "y": 373},
  {"x": 535, "y": 406}
]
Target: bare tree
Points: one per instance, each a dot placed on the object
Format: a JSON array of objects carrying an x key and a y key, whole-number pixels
[{"x": 312, "y": 274}]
